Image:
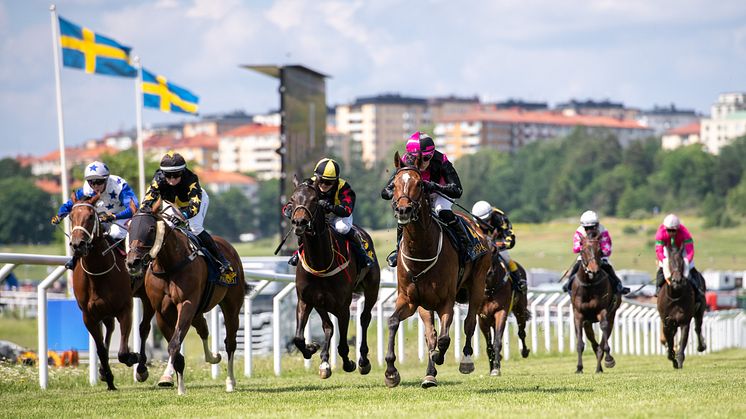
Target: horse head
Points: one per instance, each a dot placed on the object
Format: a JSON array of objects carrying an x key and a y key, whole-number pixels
[
  {"x": 590, "y": 255},
  {"x": 409, "y": 197},
  {"x": 146, "y": 236},
  {"x": 85, "y": 224},
  {"x": 676, "y": 269},
  {"x": 494, "y": 265},
  {"x": 305, "y": 215}
]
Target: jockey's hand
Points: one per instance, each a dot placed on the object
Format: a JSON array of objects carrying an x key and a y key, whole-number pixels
[
  {"x": 185, "y": 214},
  {"x": 287, "y": 210},
  {"x": 500, "y": 245},
  {"x": 106, "y": 217},
  {"x": 326, "y": 205},
  {"x": 56, "y": 220},
  {"x": 431, "y": 186}
]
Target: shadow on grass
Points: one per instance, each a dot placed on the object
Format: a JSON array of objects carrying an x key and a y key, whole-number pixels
[{"x": 534, "y": 389}]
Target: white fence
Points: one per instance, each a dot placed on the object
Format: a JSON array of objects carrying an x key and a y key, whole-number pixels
[{"x": 636, "y": 330}]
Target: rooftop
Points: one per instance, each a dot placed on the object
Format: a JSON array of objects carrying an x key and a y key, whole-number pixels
[
  {"x": 686, "y": 129},
  {"x": 514, "y": 116}
]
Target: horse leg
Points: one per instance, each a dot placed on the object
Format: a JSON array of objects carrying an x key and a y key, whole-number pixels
[
  {"x": 444, "y": 341},
  {"x": 501, "y": 318},
  {"x": 365, "y": 318},
  {"x": 203, "y": 331},
  {"x": 402, "y": 310},
  {"x": 682, "y": 345},
  {"x": 580, "y": 345},
  {"x": 325, "y": 370},
  {"x": 230, "y": 315},
  {"x": 125, "y": 326},
  {"x": 486, "y": 329},
  {"x": 698, "y": 317},
  {"x": 302, "y": 311},
  {"x": 428, "y": 319},
  {"x": 604, "y": 344},
  {"x": 94, "y": 328},
  {"x": 670, "y": 333},
  {"x": 609, "y": 361},
  {"x": 470, "y": 323},
  {"x": 186, "y": 312},
  {"x": 141, "y": 372},
  {"x": 343, "y": 348},
  {"x": 521, "y": 315},
  {"x": 165, "y": 321},
  {"x": 109, "y": 329}
]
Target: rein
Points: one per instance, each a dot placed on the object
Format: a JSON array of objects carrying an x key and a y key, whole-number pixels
[
  {"x": 91, "y": 236},
  {"x": 433, "y": 260}
]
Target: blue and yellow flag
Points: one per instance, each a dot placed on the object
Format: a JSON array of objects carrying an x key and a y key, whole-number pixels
[
  {"x": 160, "y": 94},
  {"x": 81, "y": 48}
]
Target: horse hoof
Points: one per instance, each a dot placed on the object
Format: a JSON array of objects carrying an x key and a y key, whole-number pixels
[
  {"x": 579, "y": 371},
  {"x": 230, "y": 385},
  {"x": 349, "y": 366},
  {"x": 675, "y": 364},
  {"x": 525, "y": 352},
  {"x": 325, "y": 371},
  {"x": 599, "y": 371},
  {"x": 166, "y": 381},
  {"x": 466, "y": 367},
  {"x": 111, "y": 387},
  {"x": 610, "y": 363},
  {"x": 495, "y": 372},
  {"x": 141, "y": 377},
  {"x": 393, "y": 380},
  {"x": 701, "y": 348},
  {"x": 429, "y": 381},
  {"x": 364, "y": 368},
  {"x": 216, "y": 358}
]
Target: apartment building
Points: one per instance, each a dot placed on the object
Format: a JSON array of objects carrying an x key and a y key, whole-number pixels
[
  {"x": 597, "y": 108},
  {"x": 727, "y": 122},
  {"x": 681, "y": 136},
  {"x": 200, "y": 150},
  {"x": 665, "y": 118},
  {"x": 251, "y": 148}
]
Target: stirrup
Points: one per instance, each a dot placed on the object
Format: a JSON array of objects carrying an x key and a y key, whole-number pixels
[
  {"x": 70, "y": 264},
  {"x": 293, "y": 261},
  {"x": 391, "y": 258}
]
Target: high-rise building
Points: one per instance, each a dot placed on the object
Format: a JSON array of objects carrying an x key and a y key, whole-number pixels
[{"x": 726, "y": 122}]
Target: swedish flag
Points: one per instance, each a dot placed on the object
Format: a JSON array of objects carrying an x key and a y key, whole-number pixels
[
  {"x": 94, "y": 53},
  {"x": 165, "y": 96}
]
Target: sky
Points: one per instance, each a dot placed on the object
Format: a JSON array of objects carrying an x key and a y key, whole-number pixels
[{"x": 639, "y": 52}]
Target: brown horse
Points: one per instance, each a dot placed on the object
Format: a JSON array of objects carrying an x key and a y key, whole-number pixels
[
  {"x": 676, "y": 307},
  {"x": 326, "y": 280},
  {"x": 104, "y": 291},
  {"x": 177, "y": 285},
  {"x": 593, "y": 300},
  {"x": 500, "y": 300},
  {"x": 427, "y": 276}
]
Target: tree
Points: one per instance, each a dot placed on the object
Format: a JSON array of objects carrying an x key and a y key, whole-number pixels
[
  {"x": 25, "y": 213},
  {"x": 10, "y": 167},
  {"x": 125, "y": 165},
  {"x": 230, "y": 214}
]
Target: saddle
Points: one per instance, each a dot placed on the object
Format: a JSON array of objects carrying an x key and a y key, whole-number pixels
[
  {"x": 475, "y": 247},
  {"x": 213, "y": 272}
]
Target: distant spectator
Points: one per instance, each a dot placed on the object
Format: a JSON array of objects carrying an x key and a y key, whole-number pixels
[{"x": 11, "y": 282}]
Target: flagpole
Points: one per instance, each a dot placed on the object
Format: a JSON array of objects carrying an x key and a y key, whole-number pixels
[
  {"x": 138, "y": 107},
  {"x": 60, "y": 120}
]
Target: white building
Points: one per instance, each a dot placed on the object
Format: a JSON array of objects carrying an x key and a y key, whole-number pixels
[
  {"x": 681, "y": 136},
  {"x": 726, "y": 123},
  {"x": 251, "y": 149}
]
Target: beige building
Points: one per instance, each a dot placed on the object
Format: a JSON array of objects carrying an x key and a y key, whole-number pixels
[
  {"x": 251, "y": 148},
  {"x": 216, "y": 124},
  {"x": 681, "y": 136},
  {"x": 199, "y": 150},
  {"x": 726, "y": 123}
]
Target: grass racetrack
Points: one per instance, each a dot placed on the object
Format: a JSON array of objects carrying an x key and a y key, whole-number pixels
[{"x": 541, "y": 386}]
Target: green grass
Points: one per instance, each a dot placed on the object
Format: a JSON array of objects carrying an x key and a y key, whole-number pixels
[{"x": 540, "y": 386}]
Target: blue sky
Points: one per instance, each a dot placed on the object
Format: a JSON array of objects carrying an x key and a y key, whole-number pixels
[{"x": 640, "y": 52}]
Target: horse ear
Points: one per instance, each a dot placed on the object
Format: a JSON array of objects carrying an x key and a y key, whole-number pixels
[
  {"x": 397, "y": 160},
  {"x": 133, "y": 208},
  {"x": 74, "y": 197},
  {"x": 157, "y": 206},
  {"x": 296, "y": 182}
]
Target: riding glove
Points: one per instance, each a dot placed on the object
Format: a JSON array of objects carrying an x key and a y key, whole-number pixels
[{"x": 56, "y": 220}]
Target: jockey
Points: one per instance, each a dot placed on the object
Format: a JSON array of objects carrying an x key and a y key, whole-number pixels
[
  {"x": 672, "y": 231},
  {"x": 175, "y": 183},
  {"x": 496, "y": 225},
  {"x": 113, "y": 207},
  {"x": 589, "y": 225},
  {"x": 337, "y": 199},
  {"x": 441, "y": 181}
]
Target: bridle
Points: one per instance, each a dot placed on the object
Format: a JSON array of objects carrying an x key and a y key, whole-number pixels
[
  {"x": 585, "y": 264},
  {"x": 414, "y": 203},
  {"x": 90, "y": 236}
]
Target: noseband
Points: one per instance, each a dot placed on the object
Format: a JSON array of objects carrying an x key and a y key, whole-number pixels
[
  {"x": 312, "y": 215},
  {"x": 96, "y": 223},
  {"x": 415, "y": 204}
]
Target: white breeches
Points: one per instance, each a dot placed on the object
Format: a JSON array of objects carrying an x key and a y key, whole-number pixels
[
  {"x": 341, "y": 224},
  {"x": 196, "y": 223},
  {"x": 117, "y": 229},
  {"x": 506, "y": 256},
  {"x": 439, "y": 203}
]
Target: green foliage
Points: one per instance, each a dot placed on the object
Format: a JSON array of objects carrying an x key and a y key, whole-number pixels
[
  {"x": 25, "y": 213},
  {"x": 230, "y": 214},
  {"x": 9, "y": 167},
  {"x": 124, "y": 164},
  {"x": 268, "y": 207}
]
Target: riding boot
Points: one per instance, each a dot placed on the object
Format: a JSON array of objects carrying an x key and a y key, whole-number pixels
[
  {"x": 70, "y": 264},
  {"x": 697, "y": 281},
  {"x": 616, "y": 283},
  {"x": 293, "y": 261},
  {"x": 519, "y": 284},
  {"x": 207, "y": 241},
  {"x": 568, "y": 285},
  {"x": 452, "y": 221},
  {"x": 357, "y": 246},
  {"x": 659, "y": 280},
  {"x": 391, "y": 258}
]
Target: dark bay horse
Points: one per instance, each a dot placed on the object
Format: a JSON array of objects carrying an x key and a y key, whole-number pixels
[
  {"x": 676, "y": 307},
  {"x": 103, "y": 290},
  {"x": 500, "y": 300},
  {"x": 326, "y": 279},
  {"x": 427, "y": 276},
  {"x": 593, "y": 300},
  {"x": 176, "y": 283}
]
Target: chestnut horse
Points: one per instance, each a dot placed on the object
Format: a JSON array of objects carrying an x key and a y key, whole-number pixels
[
  {"x": 427, "y": 275},
  {"x": 676, "y": 307},
  {"x": 326, "y": 280},
  {"x": 103, "y": 290},
  {"x": 500, "y": 300},
  {"x": 593, "y": 300},
  {"x": 176, "y": 283}
]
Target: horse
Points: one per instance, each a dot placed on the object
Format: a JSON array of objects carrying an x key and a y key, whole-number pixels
[
  {"x": 327, "y": 279},
  {"x": 428, "y": 276},
  {"x": 104, "y": 290},
  {"x": 500, "y": 300},
  {"x": 593, "y": 300},
  {"x": 177, "y": 286},
  {"x": 676, "y": 307}
]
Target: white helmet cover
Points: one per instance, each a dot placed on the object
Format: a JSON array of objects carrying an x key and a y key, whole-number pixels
[
  {"x": 589, "y": 219},
  {"x": 481, "y": 209},
  {"x": 671, "y": 221},
  {"x": 96, "y": 170}
]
